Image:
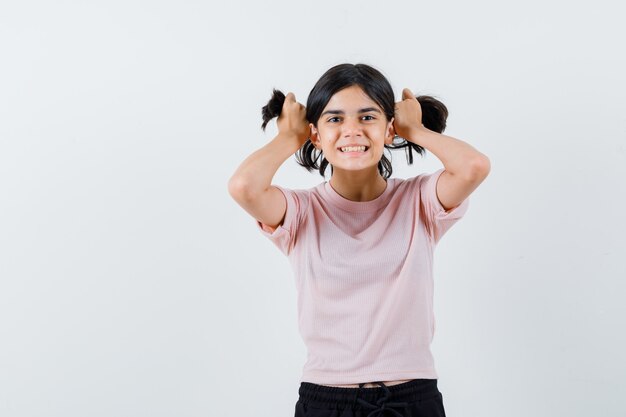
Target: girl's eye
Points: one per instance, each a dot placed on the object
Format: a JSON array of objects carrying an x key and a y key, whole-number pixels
[{"x": 338, "y": 119}]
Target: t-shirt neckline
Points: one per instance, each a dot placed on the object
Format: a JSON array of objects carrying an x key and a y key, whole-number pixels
[{"x": 358, "y": 206}]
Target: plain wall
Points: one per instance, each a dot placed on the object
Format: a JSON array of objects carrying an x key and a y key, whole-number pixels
[{"x": 131, "y": 284}]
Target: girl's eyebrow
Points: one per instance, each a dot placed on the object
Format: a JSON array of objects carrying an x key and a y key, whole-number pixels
[{"x": 365, "y": 110}]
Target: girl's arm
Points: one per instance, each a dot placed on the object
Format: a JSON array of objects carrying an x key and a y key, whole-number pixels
[
  {"x": 250, "y": 186},
  {"x": 465, "y": 167}
]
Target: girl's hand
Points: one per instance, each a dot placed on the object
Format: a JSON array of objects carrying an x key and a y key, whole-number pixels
[
  {"x": 292, "y": 120},
  {"x": 408, "y": 115}
]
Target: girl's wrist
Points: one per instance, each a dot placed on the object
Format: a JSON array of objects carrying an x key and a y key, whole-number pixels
[
  {"x": 289, "y": 139},
  {"x": 415, "y": 133}
]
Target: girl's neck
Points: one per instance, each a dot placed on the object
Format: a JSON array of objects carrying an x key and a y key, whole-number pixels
[{"x": 358, "y": 186}]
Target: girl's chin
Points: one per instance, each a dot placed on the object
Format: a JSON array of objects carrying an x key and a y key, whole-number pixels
[{"x": 355, "y": 166}]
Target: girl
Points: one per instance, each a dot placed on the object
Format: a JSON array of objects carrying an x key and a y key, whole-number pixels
[{"x": 361, "y": 244}]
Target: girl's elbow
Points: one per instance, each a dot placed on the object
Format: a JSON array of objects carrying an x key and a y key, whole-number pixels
[
  {"x": 481, "y": 166},
  {"x": 237, "y": 187}
]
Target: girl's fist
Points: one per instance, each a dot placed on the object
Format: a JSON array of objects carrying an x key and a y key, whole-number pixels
[
  {"x": 292, "y": 120},
  {"x": 408, "y": 114}
]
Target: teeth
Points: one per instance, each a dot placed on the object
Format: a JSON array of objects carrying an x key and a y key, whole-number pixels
[{"x": 353, "y": 149}]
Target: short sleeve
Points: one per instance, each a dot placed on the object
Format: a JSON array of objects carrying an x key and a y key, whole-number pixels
[
  {"x": 285, "y": 235},
  {"x": 436, "y": 219}
]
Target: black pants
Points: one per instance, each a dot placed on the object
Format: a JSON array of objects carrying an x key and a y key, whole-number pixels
[{"x": 415, "y": 398}]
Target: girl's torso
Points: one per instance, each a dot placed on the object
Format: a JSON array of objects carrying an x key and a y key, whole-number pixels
[{"x": 370, "y": 384}]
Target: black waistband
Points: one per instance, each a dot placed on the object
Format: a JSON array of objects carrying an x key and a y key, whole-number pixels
[{"x": 383, "y": 396}]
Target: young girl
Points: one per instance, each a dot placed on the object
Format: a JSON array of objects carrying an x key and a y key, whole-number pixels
[{"x": 361, "y": 244}]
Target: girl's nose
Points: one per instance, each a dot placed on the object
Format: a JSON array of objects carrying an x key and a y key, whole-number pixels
[{"x": 351, "y": 127}]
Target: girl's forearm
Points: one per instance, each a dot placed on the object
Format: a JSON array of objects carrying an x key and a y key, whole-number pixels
[
  {"x": 458, "y": 157},
  {"x": 256, "y": 172}
]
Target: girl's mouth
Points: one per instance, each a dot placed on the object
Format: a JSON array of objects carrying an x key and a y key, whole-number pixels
[{"x": 356, "y": 150}]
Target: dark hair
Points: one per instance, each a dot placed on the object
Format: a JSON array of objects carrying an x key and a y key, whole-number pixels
[{"x": 377, "y": 87}]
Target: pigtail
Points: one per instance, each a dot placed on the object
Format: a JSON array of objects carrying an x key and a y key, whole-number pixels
[
  {"x": 273, "y": 107},
  {"x": 434, "y": 113}
]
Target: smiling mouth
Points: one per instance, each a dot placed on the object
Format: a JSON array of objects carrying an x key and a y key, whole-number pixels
[{"x": 354, "y": 149}]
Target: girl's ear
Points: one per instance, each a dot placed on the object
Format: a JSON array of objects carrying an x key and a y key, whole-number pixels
[
  {"x": 315, "y": 139},
  {"x": 391, "y": 132}
]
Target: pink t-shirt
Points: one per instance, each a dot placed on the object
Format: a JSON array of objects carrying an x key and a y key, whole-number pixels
[{"x": 364, "y": 277}]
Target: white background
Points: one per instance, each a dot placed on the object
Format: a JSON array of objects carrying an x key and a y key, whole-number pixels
[{"x": 131, "y": 284}]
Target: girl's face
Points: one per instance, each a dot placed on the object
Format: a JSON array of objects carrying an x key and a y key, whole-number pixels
[{"x": 352, "y": 130}]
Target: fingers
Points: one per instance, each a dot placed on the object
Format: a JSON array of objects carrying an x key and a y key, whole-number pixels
[
  {"x": 290, "y": 99},
  {"x": 408, "y": 95}
]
